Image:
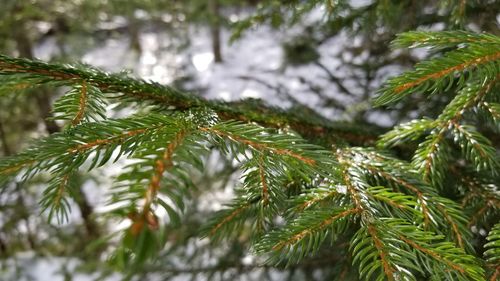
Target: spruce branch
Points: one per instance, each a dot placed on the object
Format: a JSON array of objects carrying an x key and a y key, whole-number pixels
[
  {"x": 432, "y": 156},
  {"x": 441, "y": 39},
  {"x": 55, "y": 200},
  {"x": 165, "y": 162},
  {"x": 388, "y": 269},
  {"x": 439, "y": 214},
  {"x": 84, "y": 103},
  {"x": 304, "y": 235},
  {"x": 406, "y": 132},
  {"x": 132, "y": 90},
  {"x": 228, "y": 222},
  {"x": 259, "y": 145},
  {"x": 476, "y": 148},
  {"x": 492, "y": 253},
  {"x": 493, "y": 109},
  {"x": 373, "y": 252},
  {"x": 481, "y": 200},
  {"x": 263, "y": 181},
  {"x": 474, "y": 60},
  {"x": 465, "y": 267},
  {"x": 316, "y": 196},
  {"x": 404, "y": 204},
  {"x": 404, "y": 229},
  {"x": 433, "y": 153}
]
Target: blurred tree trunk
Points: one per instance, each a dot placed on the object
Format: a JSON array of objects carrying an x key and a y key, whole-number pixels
[
  {"x": 25, "y": 48},
  {"x": 134, "y": 29},
  {"x": 213, "y": 8},
  {"x": 6, "y": 151},
  {"x": 3, "y": 137},
  {"x": 20, "y": 206},
  {"x": 86, "y": 211}
]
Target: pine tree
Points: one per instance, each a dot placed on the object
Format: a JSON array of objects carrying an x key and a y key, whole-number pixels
[{"x": 325, "y": 181}]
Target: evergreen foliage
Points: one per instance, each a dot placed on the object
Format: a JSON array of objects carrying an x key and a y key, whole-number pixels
[{"x": 303, "y": 185}]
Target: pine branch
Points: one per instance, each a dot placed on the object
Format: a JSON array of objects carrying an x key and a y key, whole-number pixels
[
  {"x": 258, "y": 145},
  {"x": 442, "y": 39},
  {"x": 304, "y": 235},
  {"x": 132, "y": 90},
  {"x": 492, "y": 253},
  {"x": 476, "y": 148},
  {"x": 228, "y": 222},
  {"x": 402, "y": 224},
  {"x": 406, "y": 132},
  {"x": 315, "y": 196},
  {"x": 493, "y": 109},
  {"x": 481, "y": 200},
  {"x": 388, "y": 269},
  {"x": 464, "y": 267},
  {"x": 432, "y": 154},
  {"x": 475, "y": 60},
  {"x": 54, "y": 198},
  {"x": 439, "y": 214},
  {"x": 372, "y": 248},
  {"x": 84, "y": 103}
]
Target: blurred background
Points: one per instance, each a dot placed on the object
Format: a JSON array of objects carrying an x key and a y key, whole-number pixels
[{"x": 325, "y": 58}]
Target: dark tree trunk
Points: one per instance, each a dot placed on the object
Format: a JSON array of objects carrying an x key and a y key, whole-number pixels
[
  {"x": 213, "y": 7},
  {"x": 87, "y": 212},
  {"x": 133, "y": 30},
  {"x": 3, "y": 137},
  {"x": 42, "y": 97}
]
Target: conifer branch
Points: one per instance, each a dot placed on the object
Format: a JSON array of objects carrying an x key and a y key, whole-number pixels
[
  {"x": 433, "y": 254},
  {"x": 101, "y": 142},
  {"x": 228, "y": 218},
  {"x": 478, "y": 214},
  {"x": 82, "y": 105},
  {"x": 457, "y": 234},
  {"x": 54, "y": 198},
  {"x": 314, "y": 197},
  {"x": 265, "y": 188},
  {"x": 388, "y": 269},
  {"x": 421, "y": 198},
  {"x": 496, "y": 274},
  {"x": 437, "y": 212},
  {"x": 9, "y": 169},
  {"x": 351, "y": 189},
  {"x": 493, "y": 109},
  {"x": 395, "y": 199},
  {"x": 493, "y": 246},
  {"x": 160, "y": 165},
  {"x": 305, "y": 234},
  {"x": 402, "y": 223},
  {"x": 166, "y": 97},
  {"x": 441, "y": 39},
  {"x": 472, "y": 62},
  {"x": 437, "y": 74},
  {"x": 317, "y": 227},
  {"x": 476, "y": 148},
  {"x": 259, "y": 145},
  {"x": 469, "y": 97},
  {"x": 431, "y": 155}
]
